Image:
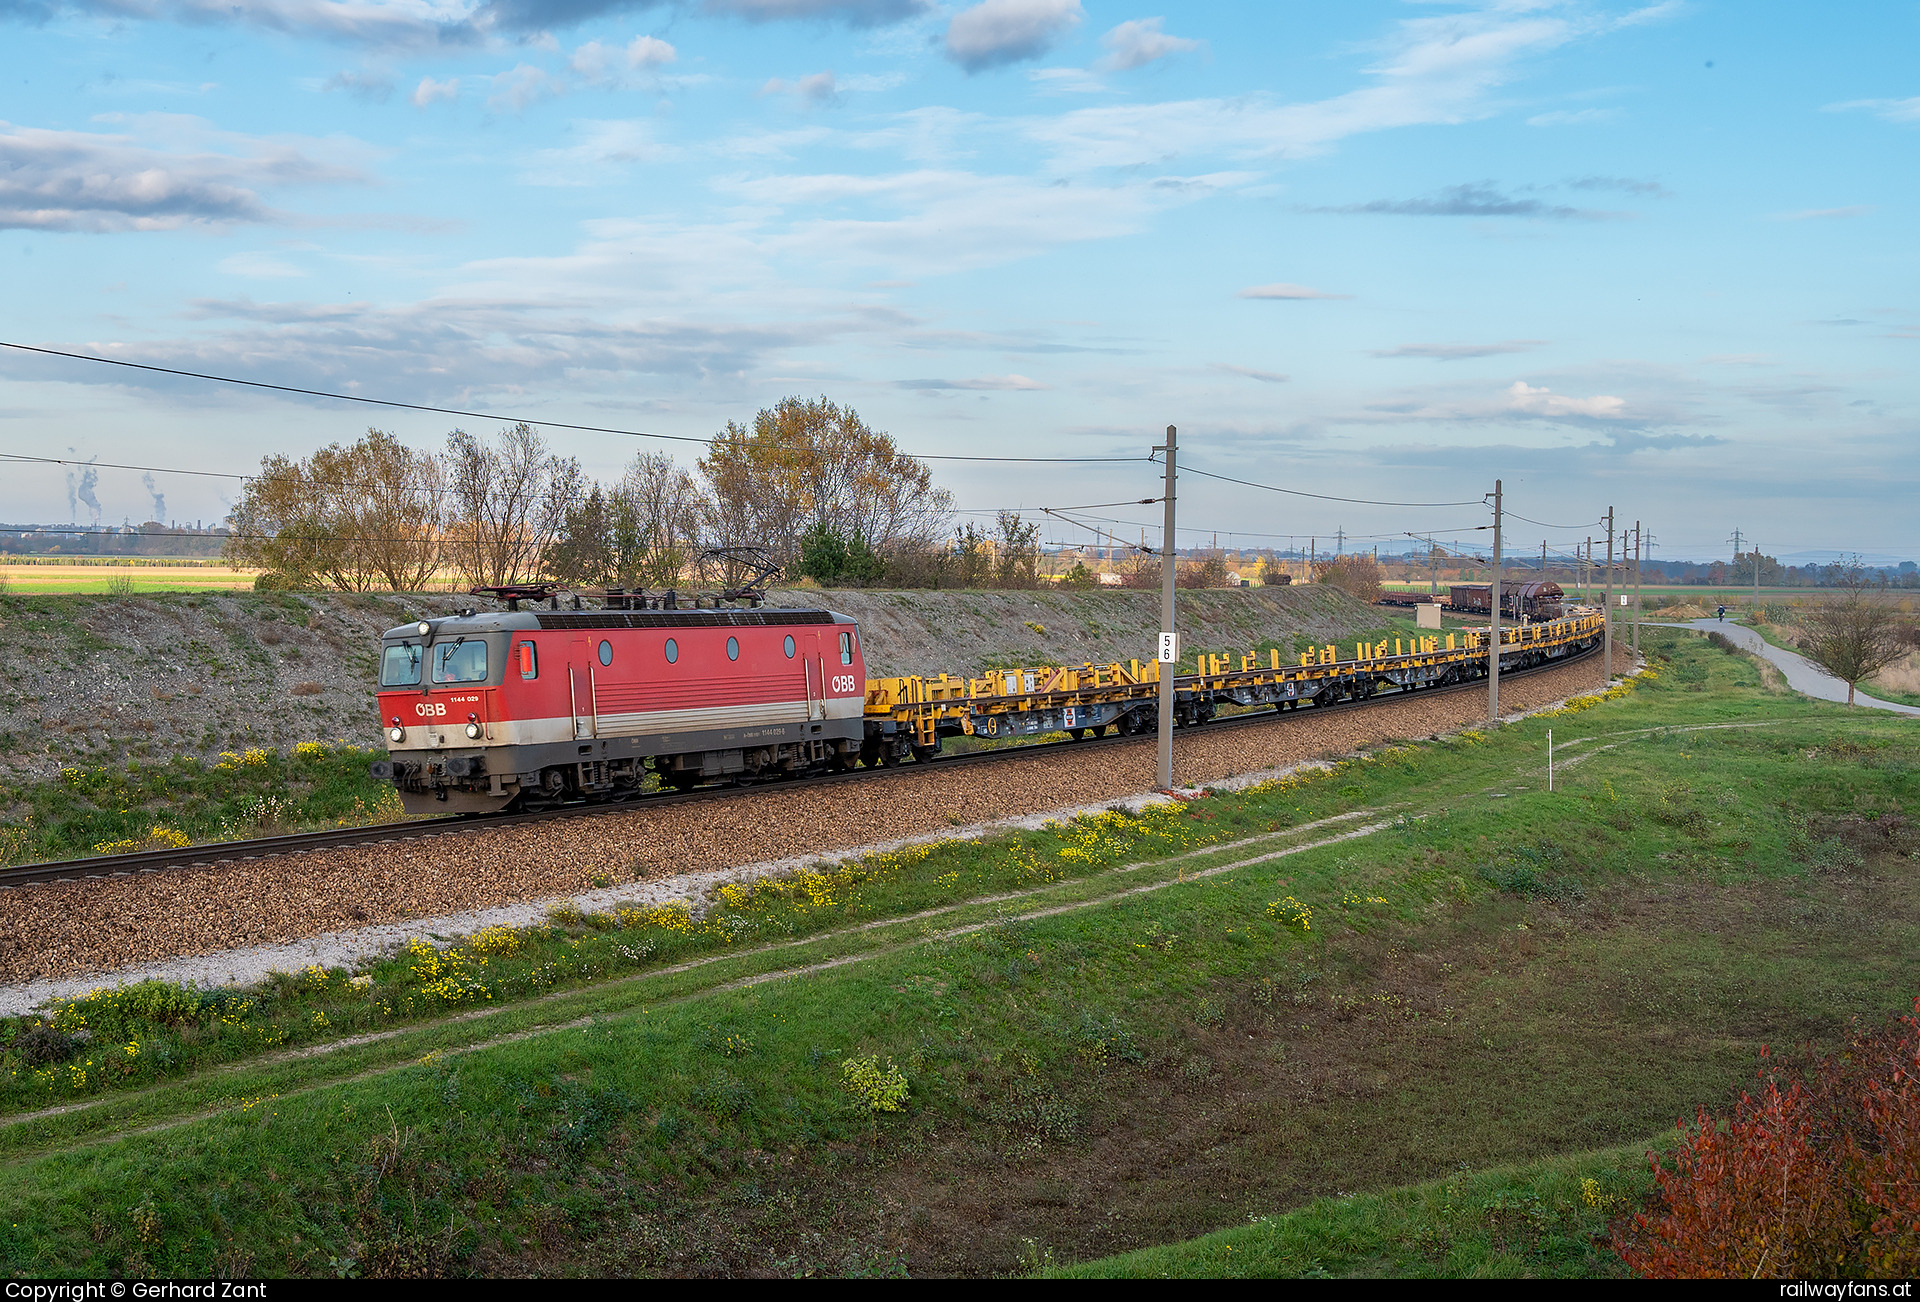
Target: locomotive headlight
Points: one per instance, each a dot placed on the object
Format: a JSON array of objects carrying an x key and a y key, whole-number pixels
[
  {"x": 398, "y": 734},
  {"x": 424, "y": 628},
  {"x": 473, "y": 730}
]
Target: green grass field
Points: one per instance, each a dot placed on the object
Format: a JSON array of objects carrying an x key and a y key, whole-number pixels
[{"x": 1312, "y": 1011}]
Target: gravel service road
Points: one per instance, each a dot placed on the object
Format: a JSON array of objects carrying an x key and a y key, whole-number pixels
[{"x": 66, "y": 929}]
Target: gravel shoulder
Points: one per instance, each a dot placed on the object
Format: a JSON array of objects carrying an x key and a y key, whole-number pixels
[{"x": 86, "y": 930}]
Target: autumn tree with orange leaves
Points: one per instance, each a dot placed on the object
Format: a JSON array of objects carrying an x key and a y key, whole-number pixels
[{"x": 809, "y": 463}]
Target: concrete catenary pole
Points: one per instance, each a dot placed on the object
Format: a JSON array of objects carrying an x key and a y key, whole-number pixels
[
  {"x": 1606, "y": 604},
  {"x": 1169, "y": 639},
  {"x": 1636, "y": 589},
  {"x": 1493, "y": 646}
]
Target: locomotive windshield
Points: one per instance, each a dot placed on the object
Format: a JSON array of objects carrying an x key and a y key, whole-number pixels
[
  {"x": 459, "y": 661},
  {"x": 400, "y": 667}
]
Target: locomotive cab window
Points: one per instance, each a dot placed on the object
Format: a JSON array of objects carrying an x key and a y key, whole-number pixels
[
  {"x": 606, "y": 653},
  {"x": 463, "y": 660},
  {"x": 846, "y": 648},
  {"x": 400, "y": 666},
  {"x": 529, "y": 661}
]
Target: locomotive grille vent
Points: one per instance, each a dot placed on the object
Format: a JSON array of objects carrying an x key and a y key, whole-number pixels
[{"x": 684, "y": 618}]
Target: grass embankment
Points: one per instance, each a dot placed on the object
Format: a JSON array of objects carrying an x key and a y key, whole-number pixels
[
  {"x": 1491, "y": 976},
  {"x": 1539, "y": 1219},
  {"x": 112, "y": 809}
]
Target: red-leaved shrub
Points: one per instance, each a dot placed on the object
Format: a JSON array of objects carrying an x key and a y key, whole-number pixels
[{"x": 1820, "y": 1178}]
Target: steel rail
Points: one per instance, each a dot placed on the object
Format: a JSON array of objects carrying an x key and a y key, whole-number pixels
[{"x": 100, "y": 867}]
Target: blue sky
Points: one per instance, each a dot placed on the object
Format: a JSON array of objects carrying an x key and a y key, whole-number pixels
[{"x": 1658, "y": 256}]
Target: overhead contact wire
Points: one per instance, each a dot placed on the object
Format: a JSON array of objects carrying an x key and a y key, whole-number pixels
[{"x": 488, "y": 415}]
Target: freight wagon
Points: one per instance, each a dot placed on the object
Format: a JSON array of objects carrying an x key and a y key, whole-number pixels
[{"x": 1535, "y": 599}]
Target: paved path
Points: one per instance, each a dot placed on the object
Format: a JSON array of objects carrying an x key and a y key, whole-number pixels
[{"x": 1803, "y": 675}]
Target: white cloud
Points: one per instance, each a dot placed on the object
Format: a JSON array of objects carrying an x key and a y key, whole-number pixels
[
  {"x": 650, "y": 52},
  {"x": 1265, "y": 377},
  {"x": 522, "y": 86},
  {"x": 429, "y": 91},
  {"x": 441, "y": 25},
  {"x": 594, "y": 61},
  {"x": 601, "y": 65},
  {"x": 1658, "y": 13},
  {"x": 997, "y": 383},
  {"x": 96, "y": 182},
  {"x": 858, "y": 13},
  {"x": 1138, "y": 42},
  {"x": 1573, "y": 117},
  {"x": 1436, "y": 71},
  {"x": 997, "y": 32},
  {"x": 1065, "y": 81},
  {"x": 867, "y": 82},
  {"x": 1459, "y": 352},
  {"x": 1286, "y": 291},
  {"x": 1906, "y": 112},
  {"x": 1526, "y": 400},
  {"x": 815, "y": 88},
  {"x": 384, "y": 24},
  {"x": 603, "y": 145},
  {"x": 370, "y": 86},
  {"x": 936, "y": 221}
]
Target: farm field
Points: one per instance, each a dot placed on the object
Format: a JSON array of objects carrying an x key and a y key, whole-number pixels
[
  {"x": 1108, "y": 1036},
  {"x": 47, "y": 580}
]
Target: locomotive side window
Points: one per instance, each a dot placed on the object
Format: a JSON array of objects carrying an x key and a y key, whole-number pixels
[
  {"x": 400, "y": 666},
  {"x": 789, "y": 646},
  {"x": 606, "y": 653},
  {"x": 529, "y": 661},
  {"x": 673, "y": 651},
  {"x": 846, "y": 648},
  {"x": 460, "y": 661},
  {"x": 733, "y": 648}
]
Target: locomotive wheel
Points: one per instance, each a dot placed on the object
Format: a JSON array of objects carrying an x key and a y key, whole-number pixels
[{"x": 922, "y": 754}]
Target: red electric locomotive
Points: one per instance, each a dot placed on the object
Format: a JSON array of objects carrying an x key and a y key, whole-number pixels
[{"x": 525, "y": 709}]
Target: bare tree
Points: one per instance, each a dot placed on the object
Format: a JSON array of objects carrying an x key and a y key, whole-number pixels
[
  {"x": 1357, "y": 575},
  {"x": 348, "y": 517},
  {"x": 397, "y": 510},
  {"x": 281, "y": 526},
  {"x": 805, "y": 463},
  {"x": 660, "y": 512},
  {"x": 1016, "y": 552},
  {"x": 1853, "y": 635},
  {"x": 506, "y": 503}
]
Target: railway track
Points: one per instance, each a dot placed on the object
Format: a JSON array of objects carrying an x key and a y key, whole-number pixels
[{"x": 199, "y": 856}]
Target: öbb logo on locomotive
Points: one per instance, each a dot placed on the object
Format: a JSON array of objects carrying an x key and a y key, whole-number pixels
[{"x": 492, "y": 711}]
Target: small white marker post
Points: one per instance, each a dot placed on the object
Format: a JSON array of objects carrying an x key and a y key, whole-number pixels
[{"x": 1549, "y": 759}]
